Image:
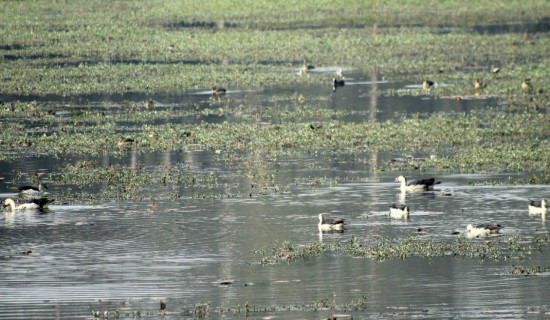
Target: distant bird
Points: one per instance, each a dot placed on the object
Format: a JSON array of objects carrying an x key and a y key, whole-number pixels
[
  {"x": 340, "y": 73},
  {"x": 162, "y": 305},
  {"x": 29, "y": 192},
  {"x": 478, "y": 84},
  {"x": 306, "y": 67},
  {"x": 150, "y": 104},
  {"x": 482, "y": 230},
  {"x": 218, "y": 91},
  {"x": 536, "y": 207},
  {"x": 526, "y": 84},
  {"x": 427, "y": 84},
  {"x": 337, "y": 83},
  {"x": 399, "y": 211},
  {"x": 416, "y": 185},
  {"x": 123, "y": 142},
  {"x": 495, "y": 69},
  {"x": 30, "y": 205},
  {"x": 326, "y": 223}
]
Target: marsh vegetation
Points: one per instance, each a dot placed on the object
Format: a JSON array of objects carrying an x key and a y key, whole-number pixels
[{"x": 112, "y": 107}]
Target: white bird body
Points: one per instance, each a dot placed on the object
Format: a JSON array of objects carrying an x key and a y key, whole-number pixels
[
  {"x": 399, "y": 211},
  {"x": 482, "y": 230},
  {"x": 30, "y": 205},
  {"x": 537, "y": 207},
  {"x": 416, "y": 185},
  {"x": 326, "y": 223}
]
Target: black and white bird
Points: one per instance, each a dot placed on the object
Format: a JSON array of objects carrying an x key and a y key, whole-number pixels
[
  {"x": 326, "y": 223},
  {"x": 337, "y": 83},
  {"x": 536, "y": 207},
  {"x": 399, "y": 211},
  {"x": 30, "y": 192},
  {"x": 482, "y": 230},
  {"x": 416, "y": 185},
  {"x": 38, "y": 204}
]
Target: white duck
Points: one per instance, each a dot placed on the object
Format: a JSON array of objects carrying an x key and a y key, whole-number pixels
[
  {"x": 30, "y": 205},
  {"x": 482, "y": 230},
  {"x": 399, "y": 211},
  {"x": 326, "y": 223},
  {"x": 536, "y": 207},
  {"x": 416, "y": 185}
]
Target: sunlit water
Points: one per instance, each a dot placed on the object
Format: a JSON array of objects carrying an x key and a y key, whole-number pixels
[{"x": 125, "y": 256}]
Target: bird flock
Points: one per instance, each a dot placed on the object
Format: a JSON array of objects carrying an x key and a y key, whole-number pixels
[
  {"x": 400, "y": 211},
  {"x": 30, "y": 199}
]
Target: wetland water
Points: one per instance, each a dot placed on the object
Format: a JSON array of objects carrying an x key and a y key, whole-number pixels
[{"x": 122, "y": 255}]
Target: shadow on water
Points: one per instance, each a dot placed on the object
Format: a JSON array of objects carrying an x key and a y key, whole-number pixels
[{"x": 542, "y": 26}]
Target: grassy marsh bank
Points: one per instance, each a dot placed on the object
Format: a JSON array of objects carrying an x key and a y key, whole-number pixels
[{"x": 167, "y": 46}]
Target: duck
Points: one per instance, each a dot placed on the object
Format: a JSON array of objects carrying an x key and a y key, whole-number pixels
[
  {"x": 482, "y": 230},
  {"x": 29, "y": 192},
  {"x": 427, "y": 84},
  {"x": 326, "y": 223},
  {"x": 218, "y": 91},
  {"x": 306, "y": 67},
  {"x": 337, "y": 83},
  {"x": 536, "y": 207},
  {"x": 123, "y": 141},
  {"x": 399, "y": 211},
  {"x": 38, "y": 204},
  {"x": 526, "y": 84},
  {"x": 150, "y": 104},
  {"x": 478, "y": 85},
  {"x": 416, "y": 185}
]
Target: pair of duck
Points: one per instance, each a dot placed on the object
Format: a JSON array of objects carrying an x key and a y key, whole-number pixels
[
  {"x": 33, "y": 199},
  {"x": 402, "y": 211},
  {"x": 326, "y": 223}
]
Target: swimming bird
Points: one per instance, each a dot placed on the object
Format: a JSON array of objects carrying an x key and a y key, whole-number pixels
[
  {"x": 30, "y": 205},
  {"x": 337, "y": 83},
  {"x": 416, "y": 185},
  {"x": 427, "y": 84},
  {"x": 306, "y": 67},
  {"x": 29, "y": 192},
  {"x": 218, "y": 91},
  {"x": 526, "y": 84},
  {"x": 482, "y": 230},
  {"x": 399, "y": 211},
  {"x": 536, "y": 207},
  {"x": 326, "y": 223}
]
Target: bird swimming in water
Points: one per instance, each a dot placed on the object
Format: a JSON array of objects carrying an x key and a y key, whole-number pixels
[
  {"x": 416, "y": 185},
  {"x": 326, "y": 223},
  {"x": 399, "y": 211}
]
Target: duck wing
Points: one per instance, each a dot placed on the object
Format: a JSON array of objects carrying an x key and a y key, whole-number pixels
[
  {"x": 423, "y": 182},
  {"x": 42, "y": 202}
]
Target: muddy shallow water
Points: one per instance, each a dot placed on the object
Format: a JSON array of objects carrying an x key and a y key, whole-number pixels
[{"x": 125, "y": 256}]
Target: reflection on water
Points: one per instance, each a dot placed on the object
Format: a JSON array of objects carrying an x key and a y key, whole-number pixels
[
  {"x": 126, "y": 256},
  {"x": 123, "y": 255}
]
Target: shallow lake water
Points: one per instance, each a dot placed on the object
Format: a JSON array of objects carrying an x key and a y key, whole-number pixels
[{"x": 124, "y": 256}]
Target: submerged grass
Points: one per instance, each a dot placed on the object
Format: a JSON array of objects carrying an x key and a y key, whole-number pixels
[{"x": 514, "y": 248}]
